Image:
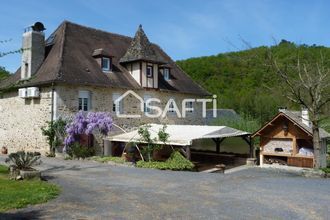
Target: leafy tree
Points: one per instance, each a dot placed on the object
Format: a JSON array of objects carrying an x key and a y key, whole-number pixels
[
  {"x": 152, "y": 143},
  {"x": 245, "y": 81},
  {"x": 55, "y": 133},
  {"x": 3, "y": 73}
]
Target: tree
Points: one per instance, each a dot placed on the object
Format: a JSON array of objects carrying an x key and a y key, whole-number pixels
[
  {"x": 55, "y": 132},
  {"x": 145, "y": 137},
  {"x": 307, "y": 84}
]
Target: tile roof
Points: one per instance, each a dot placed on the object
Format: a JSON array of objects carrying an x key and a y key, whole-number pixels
[
  {"x": 141, "y": 49},
  {"x": 69, "y": 60}
]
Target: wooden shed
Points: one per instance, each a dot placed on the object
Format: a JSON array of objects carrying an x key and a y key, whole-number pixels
[{"x": 287, "y": 139}]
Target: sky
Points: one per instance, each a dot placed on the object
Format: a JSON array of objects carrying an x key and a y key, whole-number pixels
[{"x": 183, "y": 28}]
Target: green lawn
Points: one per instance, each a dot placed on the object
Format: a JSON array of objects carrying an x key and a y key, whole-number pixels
[{"x": 19, "y": 194}]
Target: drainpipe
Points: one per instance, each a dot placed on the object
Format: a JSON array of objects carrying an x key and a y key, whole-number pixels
[{"x": 52, "y": 104}]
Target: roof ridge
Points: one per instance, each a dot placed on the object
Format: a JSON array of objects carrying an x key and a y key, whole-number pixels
[
  {"x": 59, "y": 74},
  {"x": 96, "y": 29}
]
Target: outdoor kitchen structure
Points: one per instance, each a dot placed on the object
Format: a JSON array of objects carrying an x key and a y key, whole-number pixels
[{"x": 287, "y": 139}]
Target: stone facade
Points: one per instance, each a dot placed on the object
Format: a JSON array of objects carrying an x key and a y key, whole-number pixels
[
  {"x": 101, "y": 99},
  {"x": 21, "y": 121}
]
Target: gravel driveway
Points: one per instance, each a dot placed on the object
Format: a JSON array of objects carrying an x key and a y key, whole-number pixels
[{"x": 92, "y": 190}]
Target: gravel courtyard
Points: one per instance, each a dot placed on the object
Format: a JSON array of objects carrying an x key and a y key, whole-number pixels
[{"x": 98, "y": 191}]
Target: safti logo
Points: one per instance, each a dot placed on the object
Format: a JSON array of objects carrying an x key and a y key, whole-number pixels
[{"x": 150, "y": 106}]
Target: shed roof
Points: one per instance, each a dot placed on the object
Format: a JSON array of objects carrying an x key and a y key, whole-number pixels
[{"x": 181, "y": 135}]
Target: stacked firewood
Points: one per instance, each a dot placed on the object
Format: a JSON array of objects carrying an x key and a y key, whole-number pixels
[{"x": 272, "y": 160}]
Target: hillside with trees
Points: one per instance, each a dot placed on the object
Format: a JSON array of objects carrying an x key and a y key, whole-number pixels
[
  {"x": 246, "y": 80},
  {"x": 3, "y": 73}
]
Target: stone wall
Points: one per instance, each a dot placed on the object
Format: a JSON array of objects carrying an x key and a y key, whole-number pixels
[
  {"x": 21, "y": 121},
  {"x": 102, "y": 100}
]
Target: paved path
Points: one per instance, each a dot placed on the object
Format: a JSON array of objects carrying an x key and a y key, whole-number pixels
[{"x": 97, "y": 191}]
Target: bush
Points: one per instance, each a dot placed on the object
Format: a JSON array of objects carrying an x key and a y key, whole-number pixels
[
  {"x": 106, "y": 159},
  {"x": 78, "y": 151},
  {"x": 326, "y": 170},
  {"x": 22, "y": 160},
  {"x": 175, "y": 162}
]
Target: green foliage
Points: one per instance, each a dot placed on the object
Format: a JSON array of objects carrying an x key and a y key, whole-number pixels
[
  {"x": 244, "y": 123},
  {"x": 3, "y": 73},
  {"x": 19, "y": 194},
  {"x": 105, "y": 159},
  {"x": 55, "y": 132},
  {"x": 78, "y": 151},
  {"x": 245, "y": 81},
  {"x": 326, "y": 170},
  {"x": 23, "y": 160},
  {"x": 175, "y": 162},
  {"x": 152, "y": 145}
]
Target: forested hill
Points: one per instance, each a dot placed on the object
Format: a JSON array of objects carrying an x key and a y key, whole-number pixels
[
  {"x": 245, "y": 81},
  {"x": 3, "y": 73}
]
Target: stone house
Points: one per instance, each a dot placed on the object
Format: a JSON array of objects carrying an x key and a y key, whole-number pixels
[{"x": 84, "y": 69}]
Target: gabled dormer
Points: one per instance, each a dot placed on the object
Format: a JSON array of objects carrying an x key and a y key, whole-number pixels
[
  {"x": 142, "y": 61},
  {"x": 104, "y": 59}
]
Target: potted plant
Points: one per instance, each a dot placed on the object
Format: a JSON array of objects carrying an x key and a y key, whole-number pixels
[
  {"x": 4, "y": 150},
  {"x": 23, "y": 161}
]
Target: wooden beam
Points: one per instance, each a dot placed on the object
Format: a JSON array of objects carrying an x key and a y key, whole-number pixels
[{"x": 218, "y": 142}]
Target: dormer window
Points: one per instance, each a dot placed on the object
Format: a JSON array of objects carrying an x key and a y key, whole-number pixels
[
  {"x": 106, "y": 64},
  {"x": 166, "y": 74},
  {"x": 150, "y": 71}
]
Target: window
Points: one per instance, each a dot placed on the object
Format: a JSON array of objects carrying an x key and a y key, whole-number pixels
[
  {"x": 145, "y": 98},
  {"x": 106, "y": 64},
  {"x": 117, "y": 106},
  {"x": 150, "y": 71},
  {"x": 189, "y": 105},
  {"x": 166, "y": 73},
  {"x": 84, "y": 103}
]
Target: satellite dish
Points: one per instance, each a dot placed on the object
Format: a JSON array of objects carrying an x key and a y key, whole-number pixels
[{"x": 38, "y": 26}]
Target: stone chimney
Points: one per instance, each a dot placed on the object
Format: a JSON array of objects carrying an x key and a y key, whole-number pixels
[
  {"x": 305, "y": 117},
  {"x": 33, "y": 49}
]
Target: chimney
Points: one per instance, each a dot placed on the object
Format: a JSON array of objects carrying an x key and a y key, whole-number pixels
[
  {"x": 33, "y": 49},
  {"x": 305, "y": 117},
  {"x": 282, "y": 109}
]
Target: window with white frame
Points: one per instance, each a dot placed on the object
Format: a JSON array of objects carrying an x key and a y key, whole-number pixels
[
  {"x": 117, "y": 107},
  {"x": 84, "y": 101},
  {"x": 145, "y": 99},
  {"x": 166, "y": 72},
  {"x": 106, "y": 64},
  {"x": 150, "y": 71}
]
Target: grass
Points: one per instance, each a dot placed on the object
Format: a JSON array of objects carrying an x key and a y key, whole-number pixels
[
  {"x": 19, "y": 194},
  {"x": 107, "y": 159}
]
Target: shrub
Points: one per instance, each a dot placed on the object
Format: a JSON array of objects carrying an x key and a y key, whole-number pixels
[
  {"x": 106, "y": 159},
  {"x": 23, "y": 160},
  {"x": 78, "y": 151},
  {"x": 326, "y": 170},
  {"x": 55, "y": 132},
  {"x": 175, "y": 162}
]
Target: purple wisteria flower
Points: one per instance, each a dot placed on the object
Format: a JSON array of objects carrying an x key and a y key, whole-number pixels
[{"x": 93, "y": 122}]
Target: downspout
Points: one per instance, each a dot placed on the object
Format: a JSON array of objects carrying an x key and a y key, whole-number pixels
[
  {"x": 52, "y": 115},
  {"x": 52, "y": 104}
]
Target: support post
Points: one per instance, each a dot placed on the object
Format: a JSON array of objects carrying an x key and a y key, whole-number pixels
[
  {"x": 218, "y": 142},
  {"x": 188, "y": 153}
]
